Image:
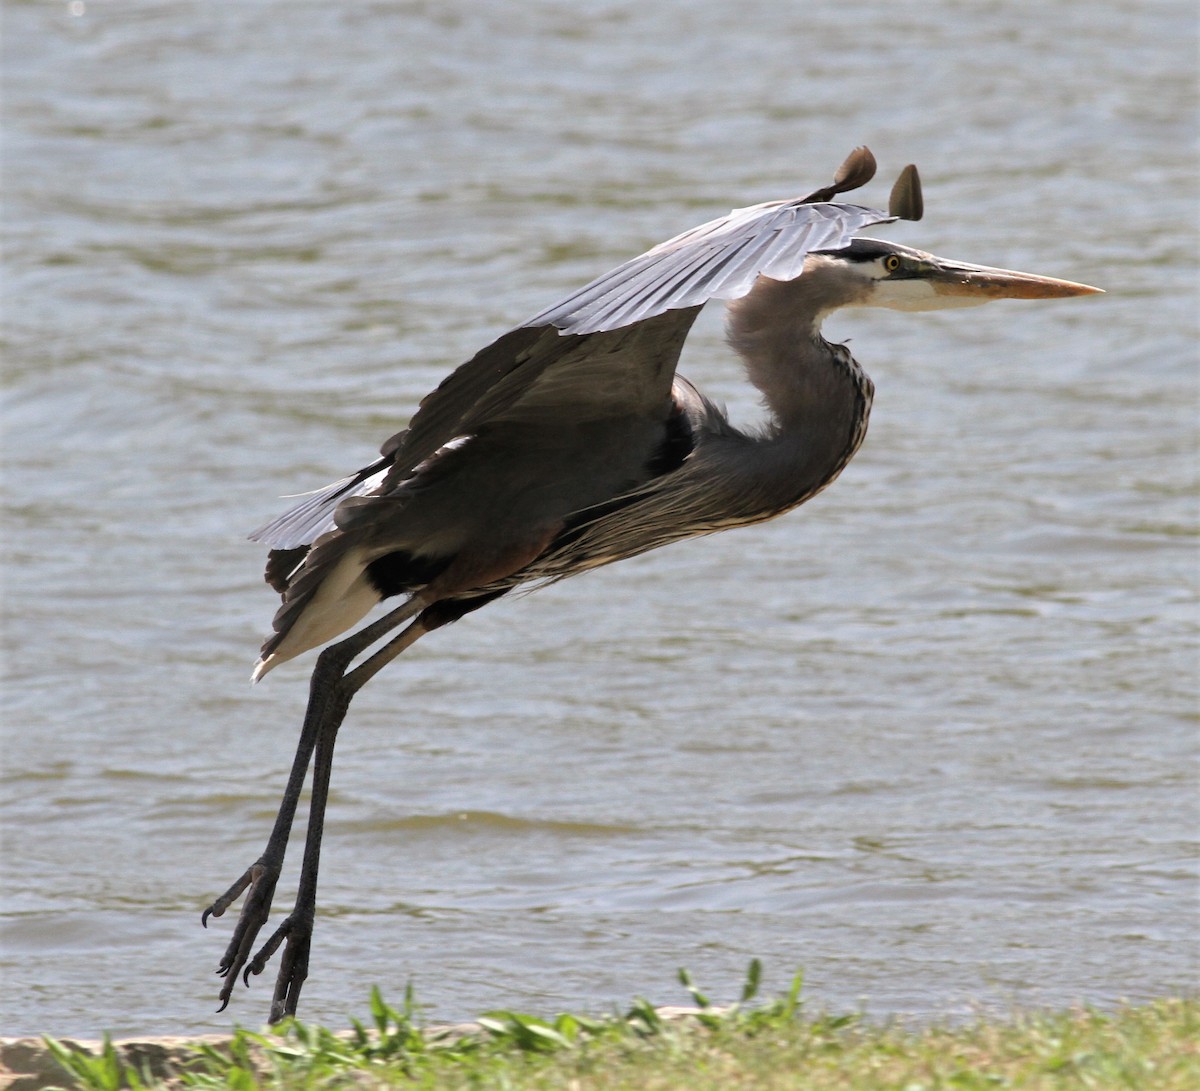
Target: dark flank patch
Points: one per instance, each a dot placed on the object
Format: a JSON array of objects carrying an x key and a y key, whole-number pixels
[
  {"x": 399, "y": 573},
  {"x": 677, "y": 444}
]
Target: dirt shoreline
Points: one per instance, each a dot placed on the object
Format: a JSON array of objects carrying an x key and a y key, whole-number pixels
[{"x": 26, "y": 1064}]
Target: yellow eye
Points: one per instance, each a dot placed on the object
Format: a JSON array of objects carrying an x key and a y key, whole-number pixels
[{"x": 891, "y": 263}]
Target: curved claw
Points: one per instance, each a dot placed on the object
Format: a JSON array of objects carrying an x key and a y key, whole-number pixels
[
  {"x": 259, "y": 962},
  {"x": 230, "y": 896},
  {"x": 296, "y": 930}
]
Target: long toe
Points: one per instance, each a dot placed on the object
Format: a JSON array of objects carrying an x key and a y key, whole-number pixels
[
  {"x": 293, "y": 970},
  {"x": 261, "y": 879},
  {"x": 295, "y": 933},
  {"x": 259, "y": 962},
  {"x": 230, "y": 896}
]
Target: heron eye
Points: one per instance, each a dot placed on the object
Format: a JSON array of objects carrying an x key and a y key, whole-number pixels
[{"x": 891, "y": 263}]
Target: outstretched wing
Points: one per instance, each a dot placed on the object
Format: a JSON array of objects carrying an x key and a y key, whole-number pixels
[
  {"x": 549, "y": 366},
  {"x": 718, "y": 260},
  {"x": 722, "y": 259}
]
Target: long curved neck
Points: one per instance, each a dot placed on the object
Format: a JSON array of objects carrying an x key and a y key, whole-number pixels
[{"x": 818, "y": 396}]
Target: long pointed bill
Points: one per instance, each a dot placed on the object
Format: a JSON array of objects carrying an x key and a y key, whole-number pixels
[{"x": 980, "y": 283}]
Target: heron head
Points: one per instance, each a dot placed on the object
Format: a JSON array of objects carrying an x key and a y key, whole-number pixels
[{"x": 875, "y": 273}]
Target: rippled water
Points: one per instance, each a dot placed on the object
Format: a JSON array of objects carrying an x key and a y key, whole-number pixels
[{"x": 931, "y": 738}]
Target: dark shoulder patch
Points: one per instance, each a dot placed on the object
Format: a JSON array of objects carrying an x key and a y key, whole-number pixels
[
  {"x": 677, "y": 444},
  {"x": 400, "y": 572}
]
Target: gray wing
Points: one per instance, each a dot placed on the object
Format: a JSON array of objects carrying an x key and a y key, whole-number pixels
[
  {"x": 547, "y": 365},
  {"x": 722, "y": 259},
  {"x": 718, "y": 260},
  {"x": 527, "y": 378},
  {"x": 549, "y": 369}
]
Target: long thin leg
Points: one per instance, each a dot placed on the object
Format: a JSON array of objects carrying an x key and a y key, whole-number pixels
[
  {"x": 261, "y": 877},
  {"x": 298, "y": 925},
  {"x": 296, "y": 928}
]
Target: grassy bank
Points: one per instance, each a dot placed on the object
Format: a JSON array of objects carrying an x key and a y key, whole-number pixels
[{"x": 764, "y": 1047}]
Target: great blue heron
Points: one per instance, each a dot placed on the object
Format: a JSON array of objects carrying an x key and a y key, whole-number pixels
[{"x": 569, "y": 443}]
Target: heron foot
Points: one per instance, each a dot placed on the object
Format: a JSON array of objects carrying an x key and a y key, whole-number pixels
[
  {"x": 295, "y": 932},
  {"x": 260, "y": 878}
]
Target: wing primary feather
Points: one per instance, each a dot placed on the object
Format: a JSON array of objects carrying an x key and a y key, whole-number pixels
[{"x": 720, "y": 272}]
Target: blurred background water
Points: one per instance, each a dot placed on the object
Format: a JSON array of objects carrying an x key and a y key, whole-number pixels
[{"x": 931, "y": 738}]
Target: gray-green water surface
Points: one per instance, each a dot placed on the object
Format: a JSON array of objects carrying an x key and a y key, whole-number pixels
[{"x": 930, "y": 738}]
